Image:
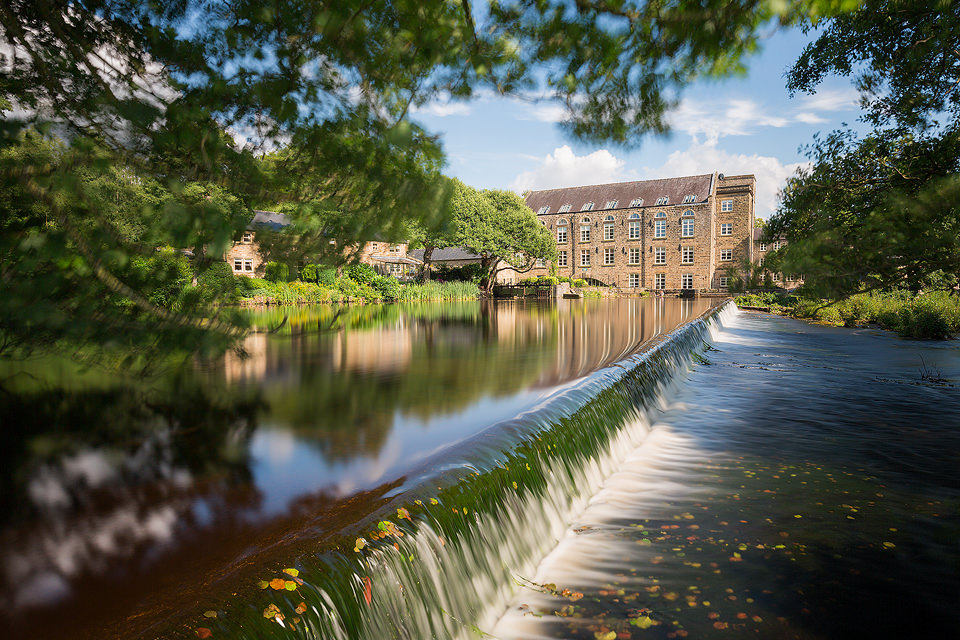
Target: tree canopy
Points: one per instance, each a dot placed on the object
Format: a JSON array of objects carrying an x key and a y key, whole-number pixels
[{"x": 883, "y": 209}]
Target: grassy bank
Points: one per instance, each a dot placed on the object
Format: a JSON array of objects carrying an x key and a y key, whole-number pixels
[
  {"x": 384, "y": 289},
  {"x": 934, "y": 315}
]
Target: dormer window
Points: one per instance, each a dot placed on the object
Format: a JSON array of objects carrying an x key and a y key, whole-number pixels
[
  {"x": 636, "y": 202},
  {"x": 689, "y": 198},
  {"x": 587, "y": 207},
  {"x": 543, "y": 210},
  {"x": 564, "y": 208},
  {"x": 247, "y": 237},
  {"x": 611, "y": 204},
  {"x": 662, "y": 200}
]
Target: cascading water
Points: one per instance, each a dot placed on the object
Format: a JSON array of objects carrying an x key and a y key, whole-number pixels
[{"x": 445, "y": 554}]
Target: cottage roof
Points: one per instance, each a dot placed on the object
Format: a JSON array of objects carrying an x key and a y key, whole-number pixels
[
  {"x": 449, "y": 253},
  {"x": 269, "y": 219},
  {"x": 624, "y": 195}
]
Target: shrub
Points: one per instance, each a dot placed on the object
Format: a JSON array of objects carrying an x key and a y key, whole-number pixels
[
  {"x": 308, "y": 273},
  {"x": 327, "y": 277},
  {"x": 217, "y": 282},
  {"x": 387, "y": 287},
  {"x": 578, "y": 282},
  {"x": 276, "y": 272},
  {"x": 361, "y": 273},
  {"x": 548, "y": 280}
]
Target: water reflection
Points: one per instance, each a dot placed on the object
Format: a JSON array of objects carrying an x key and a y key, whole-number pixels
[{"x": 109, "y": 495}]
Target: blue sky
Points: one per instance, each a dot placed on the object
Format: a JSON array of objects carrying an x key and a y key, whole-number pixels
[{"x": 739, "y": 125}]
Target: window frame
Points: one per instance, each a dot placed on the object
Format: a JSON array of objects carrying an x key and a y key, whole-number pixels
[
  {"x": 561, "y": 258},
  {"x": 726, "y": 206},
  {"x": 608, "y": 228},
  {"x": 633, "y": 280},
  {"x": 686, "y": 227},
  {"x": 584, "y": 257},
  {"x": 662, "y": 201},
  {"x": 633, "y": 255},
  {"x": 726, "y": 255},
  {"x": 659, "y": 255},
  {"x": 636, "y": 202},
  {"x": 587, "y": 206},
  {"x": 726, "y": 228},
  {"x": 659, "y": 229},
  {"x": 686, "y": 281},
  {"x": 687, "y": 255},
  {"x": 659, "y": 281},
  {"x": 609, "y": 256}
]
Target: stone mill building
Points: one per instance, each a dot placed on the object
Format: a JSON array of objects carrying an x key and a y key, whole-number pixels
[{"x": 673, "y": 234}]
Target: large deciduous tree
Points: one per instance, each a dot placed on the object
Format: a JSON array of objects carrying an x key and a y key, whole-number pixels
[
  {"x": 883, "y": 209},
  {"x": 500, "y": 228}
]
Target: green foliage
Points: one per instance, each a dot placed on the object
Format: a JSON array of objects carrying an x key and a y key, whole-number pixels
[
  {"x": 387, "y": 287},
  {"x": 361, "y": 273},
  {"x": 468, "y": 273},
  {"x": 327, "y": 277},
  {"x": 456, "y": 290},
  {"x": 217, "y": 283},
  {"x": 578, "y": 282},
  {"x": 276, "y": 272},
  {"x": 309, "y": 273}
]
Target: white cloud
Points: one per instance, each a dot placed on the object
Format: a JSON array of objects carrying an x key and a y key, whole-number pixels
[
  {"x": 545, "y": 113},
  {"x": 563, "y": 168},
  {"x": 845, "y": 99},
  {"x": 443, "y": 109},
  {"x": 807, "y": 117},
  {"x": 706, "y": 158}
]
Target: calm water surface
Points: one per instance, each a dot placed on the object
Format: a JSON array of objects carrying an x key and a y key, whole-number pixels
[{"x": 120, "y": 510}]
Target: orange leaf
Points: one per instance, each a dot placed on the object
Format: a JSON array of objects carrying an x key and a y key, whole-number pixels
[
  {"x": 203, "y": 632},
  {"x": 278, "y": 583},
  {"x": 367, "y": 590}
]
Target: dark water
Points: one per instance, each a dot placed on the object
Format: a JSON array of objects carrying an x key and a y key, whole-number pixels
[{"x": 130, "y": 508}]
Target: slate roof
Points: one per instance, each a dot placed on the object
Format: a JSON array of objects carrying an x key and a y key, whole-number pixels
[
  {"x": 449, "y": 253},
  {"x": 269, "y": 219},
  {"x": 675, "y": 189}
]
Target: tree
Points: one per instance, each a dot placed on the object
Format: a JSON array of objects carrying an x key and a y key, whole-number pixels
[
  {"x": 882, "y": 210},
  {"x": 500, "y": 228}
]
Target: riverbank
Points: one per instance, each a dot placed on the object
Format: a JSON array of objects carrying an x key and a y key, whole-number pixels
[{"x": 934, "y": 315}]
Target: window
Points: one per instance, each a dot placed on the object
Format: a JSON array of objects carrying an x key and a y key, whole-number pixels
[
  {"x": 608, "y": 228},
  {"x": 660, "y": 229},
  {"x": 248, "y": 265},
  {"x": 611, "y": 204},
  {"x": 686, "y": 281},
  {"x": 636, "y": 202},
  {"x": 760, "y": 262},
  {"x": 564, "y": 208},
  {"x": 587, "y": 207},
  {"x": 540, "y": 263},
  {"x": 659, "y": 281},
  {"x": 396, "y": 270},
  {"x": 662, "y": 200},
  {"x": 562, "y": 232},
  {"x": 686, "y": 255},
  {"x": 686, "y": 228},
  {"x": 724, "y": 282},
  {"x": 763, "y": 246},
  {"x": 561, "y": 258},
  {"x": 584, "y": 257},
  {"x": 543, "y": 210},
  {"x": 776, "y": 245},
  {"x": 726, "y": 229},
  {"x": 634, "y": 226},
  {"x": 237, "y": 264},
  {"x": 585, "y": 230},
  {"x": 689, "y": 198},
  {"x": 247, "y": 237},
  {"x": 634, "y": 255},
  {"x": 726, "y": 254},
  {"x": 659, "y": 214},
  {"x": 726, "y": 206},
  {"x": 659, "y": 255},
  {"x": 374, "y": 246},
  {"x": 608, "y": 256},
  {"x": 633, "y": 280}
]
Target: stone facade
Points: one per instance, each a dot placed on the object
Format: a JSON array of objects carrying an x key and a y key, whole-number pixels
[
  {"x": 671, "y": 234},
  {"x": 760, "y": 251}
]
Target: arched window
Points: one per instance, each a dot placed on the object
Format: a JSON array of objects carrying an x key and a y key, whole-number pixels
[
  {"x": 585, "y": 229},
  {"x": 608, "y": 228},
  {"x": 636, "y": 202},
  {"x": 561, "y": 231},
  {"x": 633, "y": 228},
  {"x": 659, "y": 214}
]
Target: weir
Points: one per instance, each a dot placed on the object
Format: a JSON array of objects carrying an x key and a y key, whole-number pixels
[{"x": 446, "y": 552}]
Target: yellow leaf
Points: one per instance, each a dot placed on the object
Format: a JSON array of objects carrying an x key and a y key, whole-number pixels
[
  {"x": 263, "y": 584},
  {"x": 291, "y": 572},
  {"x": 289, "y": 585},
  {"x": 608, "y": 635},
  {"x": 644, "y": 622},
  {"x": 209, "y": 614}
]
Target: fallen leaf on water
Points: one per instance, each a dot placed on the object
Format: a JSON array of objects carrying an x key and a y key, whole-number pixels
[
  {"x": 301, "y": 608},
  {"x": 203, "y": 632},
  {"x": 289, "y": 585},
  {"x": 263, "y": 584},
  {"x": 278, "y": 583},
  {"x": 643, "y": 622},
  {"x": 361, "y": 543},
  {"x": 291, "y": 572},
  {"x": 272, "y": 612},
  {"x": 209, "y": 614},
  {"x": 608, "y": 635},
  {"x": 403, "y": 513}
]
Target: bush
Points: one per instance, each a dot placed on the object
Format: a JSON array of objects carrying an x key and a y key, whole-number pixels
[
  {"x": 327, "y": 277},
  {"x": 578, "y": 282},
  {"x": 217, "y": 282},
  {"x": 387, "y": 287},
  {"x": 361, "y": 273},
  {"x": 276, "y": 272},
  {"x": 308, "y": 273}
]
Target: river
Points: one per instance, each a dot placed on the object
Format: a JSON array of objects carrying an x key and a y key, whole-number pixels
[{"x": 523, "y": 470}]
